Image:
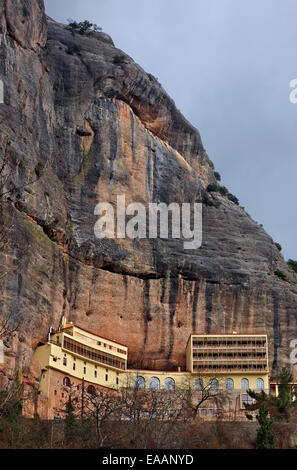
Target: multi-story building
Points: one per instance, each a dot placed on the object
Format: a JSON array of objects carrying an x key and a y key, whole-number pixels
[
  {"x": 223, "y": 366},
  {"x": 237, "y": 361},
  {"x": 78, "y": 357}
]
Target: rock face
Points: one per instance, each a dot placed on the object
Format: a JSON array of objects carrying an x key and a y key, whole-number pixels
[{"x": 99, "y": 126}]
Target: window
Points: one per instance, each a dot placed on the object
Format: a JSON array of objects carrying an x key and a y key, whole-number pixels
[
  {"x": 73, "y": 366},
  {"x": 77, "y": 387},
  {"x": 154, "y": 383},
  {"x": 169, "y": 384},
  {"x": 230, "y": 404},
  {"x": 214, "y": 384},
  {"x": 91, "y": 390},
  {"x": 64, "y": 361},
  {"x": 117, "y": 381},
  {"x": 199, "y": 384},
  {"x": 66, "y": 382},
  {"x": 106, "y": 378},
  {"x": 211, "y": 411},
  {"x": 229, "y": 384},
  {"x": 55, "y": 392},
  {"x": 54, "y": 359},
  {"x": 139, "y": 382},
  {"x": 246, "y": 399},
  {"x": 244, "y": 384},
  {"x": 260, "y": 384},
  {"x": 85, "y": 370},
  {"x": 203, "y": 412},
  {"x": 95, "y": 373}
]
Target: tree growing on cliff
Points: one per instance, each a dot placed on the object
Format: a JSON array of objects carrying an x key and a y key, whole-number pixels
[{"x": 83, "y": 27}]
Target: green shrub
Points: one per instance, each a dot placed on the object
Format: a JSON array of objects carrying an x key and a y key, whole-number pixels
[
  {"x": 280, "y": 274},
  {"x": 217, "y": 176},
  {"x": 39, "y": 169},
  {"x": 212, "y": 188},
  {"x": 278, "y": 246},
  {"x": 223, "y": 190},
  {"x": 119, "y": 59},
  {"x": 233, "y": 198},
  {"x": 73, "y": 49},
  {"x": 210, "y": 202},
  {"x": 83, "y": 27},
  {"x": 293, "y": 264}
]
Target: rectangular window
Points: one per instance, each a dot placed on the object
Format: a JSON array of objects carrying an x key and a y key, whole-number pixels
[
  {"x": 106, "y": 378},
  {"x": 64, "y": 361},
  {"x": 203, "y": 412},
  {"x": 246, "y": 399},
  {"x": 73, "y": 366},
  {"x": 95, "y": 373},
  {"x": 85, "y": 370}
]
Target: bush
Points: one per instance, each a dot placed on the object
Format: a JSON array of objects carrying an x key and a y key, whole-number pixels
[
  {"x": 217, "y": 176},
  {"x": 73, "y": 49},
  {"x": 233, "y": 198},
  {"x": 39, "y": 169},
  {"x": 212, "y": 188},
  {"x": 83, "y": 28},
  {"x": 293, "y": 264},
  {"x": 223, "y": 190},
  {"x": 119, "y": 59},
  {"x": 210, "y": 202},
  {"x": 278, "y": 246},
  {"x": 280, "y": 274}
]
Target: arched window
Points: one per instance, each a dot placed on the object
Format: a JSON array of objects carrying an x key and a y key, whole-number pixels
[
  {"x": 154, "y": 383},
  {"x": 91, "y": 390},
  {"x": 169, "y": 384},
  {"x": 229, "y": 384},
  {"x": 214, "y": 384},
  {"x": 244, "y": 384},
  {"x": 260, "y": 384},
  {"x": 199, "y": 384},
  {"x": 139, "y": 382},
  {"x": 66, "y": 382}
]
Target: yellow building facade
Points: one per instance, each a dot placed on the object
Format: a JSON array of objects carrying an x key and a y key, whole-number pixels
[{"x": 219, "y": 363}]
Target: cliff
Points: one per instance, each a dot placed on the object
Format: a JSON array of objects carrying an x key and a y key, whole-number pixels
[{"x": 98, "y": 126}]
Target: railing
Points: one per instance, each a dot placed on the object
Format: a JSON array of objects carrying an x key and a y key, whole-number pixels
[{"x": 93, "y": 354}]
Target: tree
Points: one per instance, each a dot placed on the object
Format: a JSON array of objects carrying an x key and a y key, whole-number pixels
[
  {"x": 83, "y": 27},
  {"x": 101, "y": 407},
  {"x": 70, "y": 422},
  {"x": 284, "y": 400},
  {"x": 217, "y": 176},
  {"x": 265, "y": 433},
  {"x": 293, "y": 264},
  {"x": 278, "y": 408}
]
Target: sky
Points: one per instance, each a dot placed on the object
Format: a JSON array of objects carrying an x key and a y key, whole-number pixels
[{"x": 228, "y": 65}]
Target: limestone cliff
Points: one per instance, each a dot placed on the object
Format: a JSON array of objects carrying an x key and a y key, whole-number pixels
[{"x": 101, "y": 126}]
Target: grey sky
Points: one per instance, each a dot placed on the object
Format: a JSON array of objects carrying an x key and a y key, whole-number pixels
[{"x": 227, "y": 64}]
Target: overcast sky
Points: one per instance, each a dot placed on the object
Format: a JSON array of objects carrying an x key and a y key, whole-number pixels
[{"x": 228, "y": 65}]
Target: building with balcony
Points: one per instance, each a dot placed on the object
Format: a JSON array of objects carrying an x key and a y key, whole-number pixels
[{"x": 222, "y": 365}]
